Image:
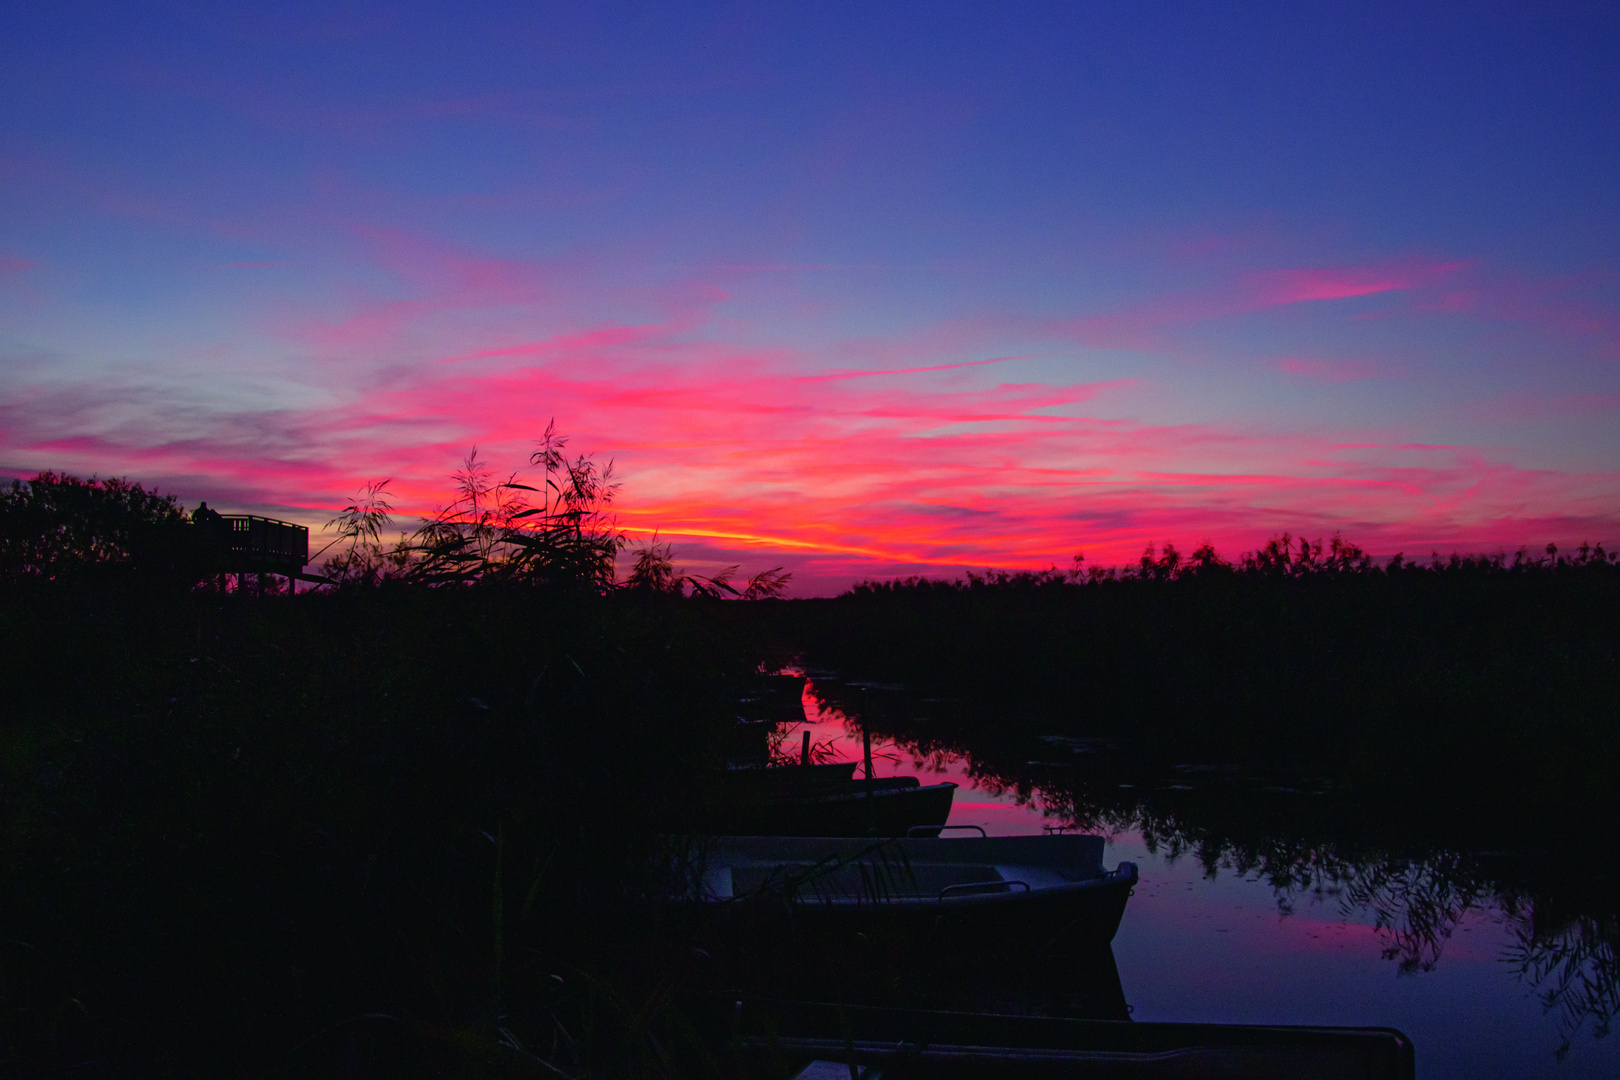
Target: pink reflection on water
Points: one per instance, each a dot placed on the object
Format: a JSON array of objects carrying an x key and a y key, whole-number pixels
[
  {"x": 837, "y": 737},
  {"x": 1225, "y": 947}
]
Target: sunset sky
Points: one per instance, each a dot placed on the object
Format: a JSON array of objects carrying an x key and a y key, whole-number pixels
[{"x": 859, "y": 289}]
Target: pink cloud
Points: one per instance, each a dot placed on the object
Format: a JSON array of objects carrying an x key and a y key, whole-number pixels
[
  {"x": 1272, "y": 288},
  {"x": 437, "y": 277},
  {"x": 1571, "y": 307},
  {"x": 1147, "y": 324},
  {"x": 1574, "y": 306}
]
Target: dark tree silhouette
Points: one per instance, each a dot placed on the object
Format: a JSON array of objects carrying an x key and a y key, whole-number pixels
[{"x": 56, "y": 524}]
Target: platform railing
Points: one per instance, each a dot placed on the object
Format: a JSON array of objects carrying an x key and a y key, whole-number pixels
[{"x": 260, "y": 541}]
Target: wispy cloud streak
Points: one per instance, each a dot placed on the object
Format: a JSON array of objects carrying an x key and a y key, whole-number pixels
[{"x": 734, "y": 449}]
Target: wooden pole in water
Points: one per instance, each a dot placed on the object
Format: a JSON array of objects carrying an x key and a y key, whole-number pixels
[
  {"x": 804, "y": 749},
  {"x": 866, "y": 748},
  {"x": 866, "y": 740}
]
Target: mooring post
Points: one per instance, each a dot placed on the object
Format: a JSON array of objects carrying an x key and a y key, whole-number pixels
[
  {"x": 804, "y": 749},
  {"x": 866, "y": 752},
  {"x": 866, "y": 739}
]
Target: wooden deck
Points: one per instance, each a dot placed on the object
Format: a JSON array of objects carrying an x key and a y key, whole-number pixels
[{"x": 264, "y": 544}]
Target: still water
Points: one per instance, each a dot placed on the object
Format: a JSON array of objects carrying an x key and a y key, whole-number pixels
[{"x": 1220, "y": 945}]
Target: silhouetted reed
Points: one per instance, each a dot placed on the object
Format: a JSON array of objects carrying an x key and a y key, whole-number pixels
[{"x": 558, "y": 531}]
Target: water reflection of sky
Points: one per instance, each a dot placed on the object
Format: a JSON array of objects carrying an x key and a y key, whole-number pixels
[{"x": 1219, "y": 949}]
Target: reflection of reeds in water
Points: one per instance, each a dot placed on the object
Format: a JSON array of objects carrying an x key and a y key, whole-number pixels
[
  {"x": 1573, "y": 968},
  {"x": 1378, "y": 862},
  {"x": 1417, "y": 903}
]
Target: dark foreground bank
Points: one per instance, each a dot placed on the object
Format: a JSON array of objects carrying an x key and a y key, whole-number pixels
[
  {"x": 392, "y": 831},
  {"x": 413, "y": 829}
]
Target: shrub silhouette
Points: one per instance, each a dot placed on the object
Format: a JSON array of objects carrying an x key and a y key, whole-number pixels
[{"x": 57, "y": 525}]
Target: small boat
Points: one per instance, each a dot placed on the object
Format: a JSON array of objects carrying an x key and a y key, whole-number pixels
[
  {"x": 780, "y": 1037},
  {"x": 1055, "y": 885},
  {"x": 784, "y": 781},
  {"x": 891, "y": 806}
]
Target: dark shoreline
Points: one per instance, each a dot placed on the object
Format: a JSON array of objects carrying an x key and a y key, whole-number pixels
[{"x": 234, "y": 824}]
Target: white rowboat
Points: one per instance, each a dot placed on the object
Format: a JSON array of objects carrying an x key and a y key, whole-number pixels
[{"x": 1055, "y": 881}]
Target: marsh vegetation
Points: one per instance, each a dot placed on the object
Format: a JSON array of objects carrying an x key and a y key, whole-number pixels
[
  {"x": 1416, "y": 680},
  {"x": 404, "y": 823}
]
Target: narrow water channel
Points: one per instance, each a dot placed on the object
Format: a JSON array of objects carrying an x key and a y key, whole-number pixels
[{"x": 1219, "y": 944}]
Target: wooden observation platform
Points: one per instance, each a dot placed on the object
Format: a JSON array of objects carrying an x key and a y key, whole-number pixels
[
  {"x": 250, "y": 544},
  {"x": 264, "y": 545}
]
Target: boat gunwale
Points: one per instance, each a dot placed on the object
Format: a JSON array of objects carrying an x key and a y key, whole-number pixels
[
  {"x": 860, "y": 851},
  {"x": 1125, "y": 875},
  {"x": 843, "y": 795}
]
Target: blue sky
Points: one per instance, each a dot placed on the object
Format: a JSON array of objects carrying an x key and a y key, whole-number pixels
[{"x": 1243, "y": 268}]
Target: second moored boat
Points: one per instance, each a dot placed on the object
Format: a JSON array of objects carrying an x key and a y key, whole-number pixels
[
  {"x": 820, "y": 801},
  {"x": 1056, "y": 883}
]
